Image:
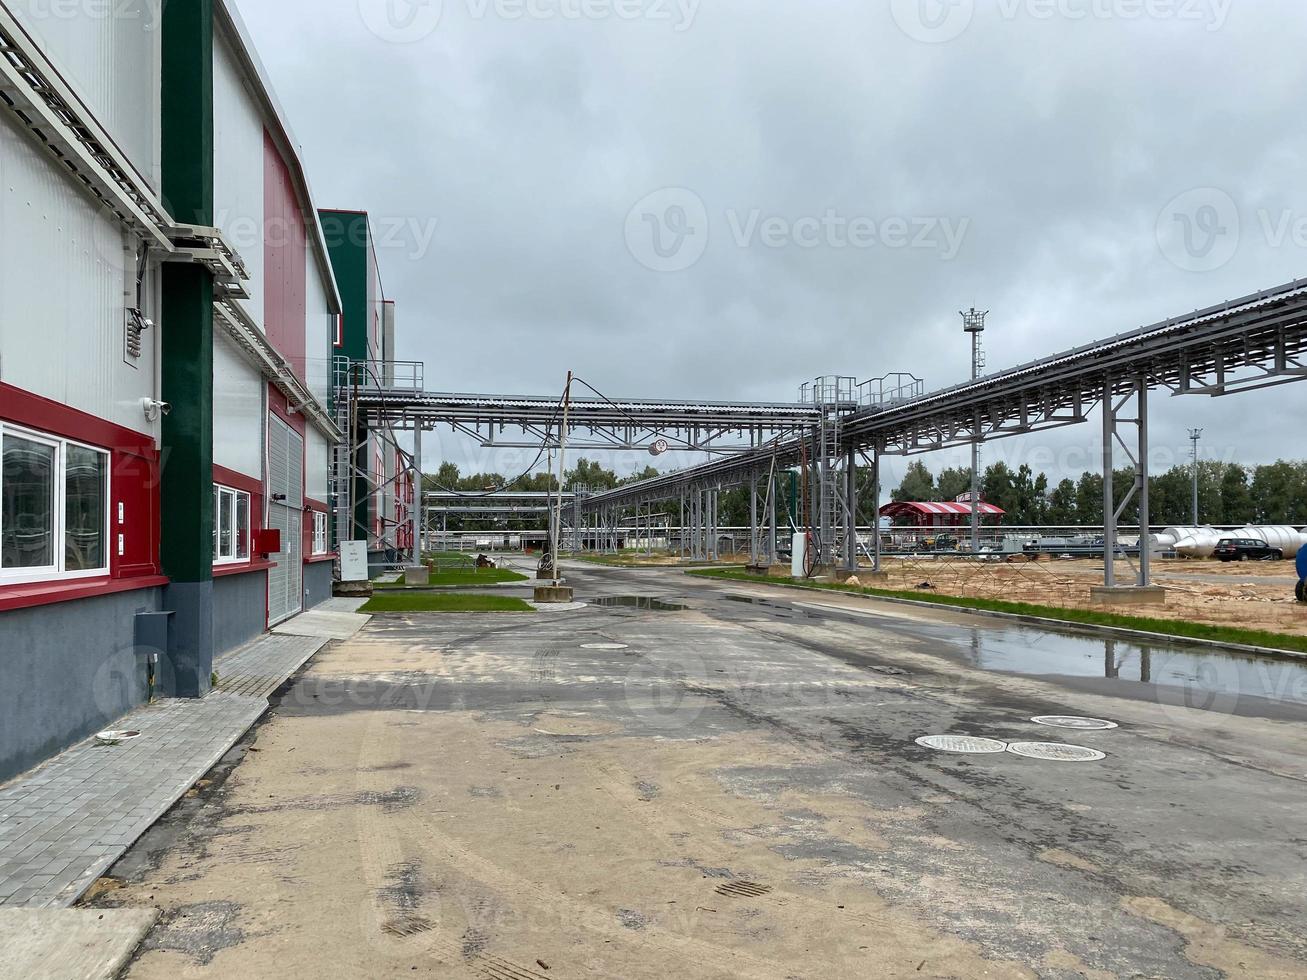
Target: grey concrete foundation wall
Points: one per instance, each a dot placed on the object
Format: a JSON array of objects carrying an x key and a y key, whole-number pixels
[
  {"x": 317, "y": 583},
  {"x": 240, "y": 610},
  {"x": 67, "y": 671}
]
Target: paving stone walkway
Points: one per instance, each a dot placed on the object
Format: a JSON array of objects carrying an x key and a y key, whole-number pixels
[{"x": 63, "y": 824}]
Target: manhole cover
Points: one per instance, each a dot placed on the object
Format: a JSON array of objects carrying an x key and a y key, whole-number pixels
[
  {"x": 970, "y": 744},
  {"x": 603, "y": 646},
  {"x": 1071, "y": 721},
  {"x": 743, "y": 889},
  {"x": 1055, "y": 752}
]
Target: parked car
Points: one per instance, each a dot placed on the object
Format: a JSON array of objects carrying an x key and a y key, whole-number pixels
[{"x": 1246, "y": 549}]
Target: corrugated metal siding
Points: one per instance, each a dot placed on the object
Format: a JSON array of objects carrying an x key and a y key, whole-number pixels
[
  {"x": 109, "y": 53},
  {"x": 238, "y": 410},
  {"x": 238, "y": 136},
  {"x": 285, "y": 250},
  {"x": 63, "y": 273},
  {"x": 285, "y": 476},
  {"x": 319, "y": 332},
  {"x": 316, "y": 466}
]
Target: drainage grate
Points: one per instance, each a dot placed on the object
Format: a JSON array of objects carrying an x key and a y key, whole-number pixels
[
  {"x": 743, "y": 889},
  {"x": 1073, "y": 722},
  {"x": 969, "y": 744},
  {"x": 1055, "y": 752},
  {"x": 603, "y": 646}
]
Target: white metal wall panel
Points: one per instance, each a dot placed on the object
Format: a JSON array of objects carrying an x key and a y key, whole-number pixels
[
  {"x": 109, "y": 54},
  {"x": 238, "y": 164},
  {"x": 319, "y": 330},
  {"x": 238, "y": 410},
  {"x": 64, "y": 276},
  {"x": 317, "y": 462}
]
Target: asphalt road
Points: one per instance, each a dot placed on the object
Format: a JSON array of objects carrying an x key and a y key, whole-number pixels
[{"x": 734, "y": 789}]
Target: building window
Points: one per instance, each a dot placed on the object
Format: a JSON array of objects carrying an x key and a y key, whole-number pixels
[
  {"x": 54, "y": 507},
  {"x": 319, "y": 533},
  {"x": 231, "y": 525}
]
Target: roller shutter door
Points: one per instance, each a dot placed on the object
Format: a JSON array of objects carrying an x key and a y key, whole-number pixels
[{"x": 286, "y": 514}]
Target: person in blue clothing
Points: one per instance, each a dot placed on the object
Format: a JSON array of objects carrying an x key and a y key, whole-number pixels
[{"x": 1301, "y": 591}]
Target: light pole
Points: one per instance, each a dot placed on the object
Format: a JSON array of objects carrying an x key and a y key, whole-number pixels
[
  {"x": 973, "y": 322},
  {"x": 1194, "y": 436}
]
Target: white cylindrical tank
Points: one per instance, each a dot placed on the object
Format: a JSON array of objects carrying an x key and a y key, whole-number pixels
[
  {"x": 1191, "y": 542},
  {"x": 1287, "y": 539}
]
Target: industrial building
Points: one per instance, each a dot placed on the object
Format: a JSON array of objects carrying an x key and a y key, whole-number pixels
[{"x": 173, "y": 314}]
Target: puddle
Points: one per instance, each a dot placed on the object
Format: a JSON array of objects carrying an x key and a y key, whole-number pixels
[
  {"x": 646, "y": 603},
  {"x": 1175, "y": 673},
  {"x": 1212, "y": 671}
]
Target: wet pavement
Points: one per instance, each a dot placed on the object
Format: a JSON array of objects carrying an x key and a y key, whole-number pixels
[{"x": 734, "y": 789}]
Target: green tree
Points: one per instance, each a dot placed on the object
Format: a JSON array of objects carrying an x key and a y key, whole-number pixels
[
  {"x": 999, "y": 489},
  {"x": 918, "y": 484},
  {"x": 1062, "y": 504},
  {"x": 1236, "y": 496},
  {"x": 953, "y": 483},
  {"x": 1089, "y": 500},
  {"x": 590, "y": 474},
  {"x": 1279, "y": 493}
]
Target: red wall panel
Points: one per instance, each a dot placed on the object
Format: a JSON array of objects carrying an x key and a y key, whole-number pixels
[
  {"x": 285, "y": 256},
  {"x": 134, "y": 466}
]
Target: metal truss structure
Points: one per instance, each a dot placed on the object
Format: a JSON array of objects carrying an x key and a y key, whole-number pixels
[
  {"x": 598, "y": 423},
  {"x": 1255, "y": 342},
  {"x": 353, "y": 481}
]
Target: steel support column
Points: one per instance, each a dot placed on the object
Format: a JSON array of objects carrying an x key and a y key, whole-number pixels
[
  {"x": 754, "y": 556},
  {"x": 851, "y": 511},
  {"x": 773, "y": 491},
  {"x": 415, "y": 515},
  {"x": 1109, "y": 495},
  {"x": 875, "y": 494},
  {"x": 1113, "y": 420}
]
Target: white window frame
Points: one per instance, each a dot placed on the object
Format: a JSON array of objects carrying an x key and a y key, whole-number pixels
[
  {"x": 319, "y": 533},
  {"x": 231, "y": 497},
  {"x": 59, "y": 512}
]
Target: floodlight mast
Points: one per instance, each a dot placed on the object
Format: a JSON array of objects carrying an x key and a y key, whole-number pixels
[{"x": 973, "y": 322}]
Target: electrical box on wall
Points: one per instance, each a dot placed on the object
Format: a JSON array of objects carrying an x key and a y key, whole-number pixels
[{"x": 267, "y": 541}]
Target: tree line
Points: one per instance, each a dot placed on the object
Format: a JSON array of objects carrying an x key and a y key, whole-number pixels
[{"x": 1228, "y": 493}]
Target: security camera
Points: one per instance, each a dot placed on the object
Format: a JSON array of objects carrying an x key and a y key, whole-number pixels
[{"x": 153, "y": 408}]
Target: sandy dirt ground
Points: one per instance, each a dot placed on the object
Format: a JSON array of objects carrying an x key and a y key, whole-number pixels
[
  {"x": 1253, "y": 595},
  {"x": 721, "y": 792},
  {"x": 1249, "y": 595}
]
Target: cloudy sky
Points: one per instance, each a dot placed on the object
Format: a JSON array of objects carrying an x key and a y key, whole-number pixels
[{"x": 724, "y": 198}]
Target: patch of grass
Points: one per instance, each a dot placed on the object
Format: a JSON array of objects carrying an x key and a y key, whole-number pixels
[
  {"x": 459, "y": 576},
  {"x": 1178, "y": 628},
  {"x": 456, "y": 603}
]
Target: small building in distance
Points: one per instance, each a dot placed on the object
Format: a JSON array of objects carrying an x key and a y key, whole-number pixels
[{"x": 943, "y": 513}]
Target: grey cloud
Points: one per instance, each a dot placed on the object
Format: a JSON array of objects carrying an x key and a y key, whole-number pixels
[{"x": 1060, "y": 141}]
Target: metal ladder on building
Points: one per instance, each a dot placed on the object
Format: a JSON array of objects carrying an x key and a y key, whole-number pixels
[{"x": 342, "y": 453}]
